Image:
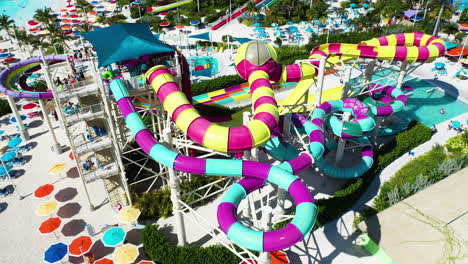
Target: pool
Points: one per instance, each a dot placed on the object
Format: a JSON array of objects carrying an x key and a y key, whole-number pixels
[
  {"x": 203, "y": 65},
  {"x": 425, "y": 106},
  {"x": 23, "y": 10}
]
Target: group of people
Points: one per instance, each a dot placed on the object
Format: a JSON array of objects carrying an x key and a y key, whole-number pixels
[
  {"x": 458, "y": 127},
  {"x": 70, "y": 80},
  {"x": 88, "y": 165},
  {"x": 83, "y": 54}
]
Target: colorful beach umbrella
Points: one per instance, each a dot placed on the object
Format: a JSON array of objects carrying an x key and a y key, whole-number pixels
[
  {"x": 74, "y": 16},
  {"x": 104, "y": 261},
  {"x": 34, "y": 29},
  {"x": 69, "y": 7},
  {"x": 73, "y": 11},
  {"x": 66, "y": 21},
  {"x": 33, "y": 23},
  {"x": 146, "y": 262},
  {"x": 129, "y": 214},
  {"x": 23, "y": 117},
  {"x": 257, "y": 24},
  {"x": 55, "y": 253},
  {"x": 5, "y": 55},
  {"x": 57, "y": 168},
  {"x": 29, "y": 106},
  {"x": 149, "y": 9},
  {"x": 194, "y": 22},
  {"x": 180, "y": 26},
  {"x": 95, "y": 2},
  {"x": 14, "y": 142},
  {"x": 126, "y": 254},
  {"x": 80, "y": 246},
  {"x": 50, "y": 225},
  {"x": 92, "y": 13},
  {"x": 9, "y": 156},
  {"x": 9, "y": 60},
  {"x": 114, "y": 236},
  {"x": 44, "y": 190},
  {"x": 66, "y": 27},
  {"x": 46, "y": 208},
  {"x": 64, "y": 10},
  {"x": 164, "y": 24}
]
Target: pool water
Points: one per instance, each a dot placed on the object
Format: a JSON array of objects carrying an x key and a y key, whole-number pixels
[
  {"x": 425, "y": 106},
  {"x": 23, "y": 10}
]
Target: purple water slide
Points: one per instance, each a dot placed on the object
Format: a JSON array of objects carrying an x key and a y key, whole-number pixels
[{"x": 39, "y": 95}]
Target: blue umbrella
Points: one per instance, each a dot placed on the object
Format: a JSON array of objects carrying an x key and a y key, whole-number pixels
[
  {"x": 55, "y": 253},
  {"x": 58, "y": 20},
  {"x": 99, "y": 7},
  {"x": 258, "y": 29},
  {"x": 257, "y": 24},
  {"x": 316, "y": 22},
  {"x": 439, "y": 65},
  {"x": 5, "y": 55},
  {"x": 352, "y": 5},
  {"x": 76, "y": 33},
  {"x": 274, "y": 24},
  {"x": 137, "y": 3},
  {"x": 8, "y": 156},
  {"x": 114, "y": 236},
  {"x": 95, "y": 2},
  {"x": 194, "y": 22},
  {"x": 14, "y": 142},
  {"x": 365, "y": 5},
  {"x": 303, "y": 23},
  {"x": 289, "y": 23},
  {"x": 2, "y": 131},
  {"x": 23, "y": 117},
  {"x": 309, "y": 29},
  {"x": 4, "y": 169}
]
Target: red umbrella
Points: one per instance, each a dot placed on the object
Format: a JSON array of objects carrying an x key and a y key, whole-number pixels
[
  {"x": 9, "y": 60},
  {"x": 74, "y": 16},
  {"x": 64, "y": 15},
  {"x": 164, "y": 24},
  {"x": 66, "y": 21},
  {"x": 80, "y": 246},
  {"x": 145, "y": 262},
  {"x": 64, "y": 10},
  {"x": 34, "y": 29},
  {"x": 46, "y": 189},
  {"x": 104, "y": 261},
  {"x": 70, "y": 6},
  {"x": 92, "y": 13},
  {"x": 31, "y": 106},
  {"x": 113, "y": 2},
  {"x": 50, "y": 225},
  {"x": 73, "y": 11},
  {"x": 180, "y": 26},
  {"x": 76, "y": 21},
  {"x": 32, "y": 23},
  {"x": 66, "y": 27},
  {"x": 149, "y": 9},
  {"x": 163, "y": 13}
]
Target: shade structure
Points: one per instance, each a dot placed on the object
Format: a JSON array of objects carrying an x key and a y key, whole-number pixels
[
  {"x": 80, "y": 246},
  {"x": 104, "y": 261},
  {"x": 129, "y": 214},
  {"x": 114, "y": 236},
  {"x": 9, "y": 156},
  {"x": 55, "y": 253},
  {"x": 57, "y": 168},
  {"x": 125, "y": 41},
  {"x": 64, "y": 10},
  {"x": 46, "y": 208},
  {"x": 242, "y": 40},
  {"x": 180, "y": 26},
  {"x": 146, "y": 262},
  {"x": 66, "y": 27},
  {"x": 23, "y": 117},
  {"x": 64, "y": 16},
  {"x": 126, "y": 254},
  {"x": 204, "y": 36},
  {"x": 457, "y": 51},
  {"x": 194, "y": 22},
  {"x": 44, "y": 190},
  {"x": 411, "y": 13},
  {"x": 50, "y": 225},
  {"x": 164, "y": 24},
  {"x": 29, "y": 106},
  {"x": 5, "y": 55},
  {"x": 73, "y": 11},
  {"x": 14, "y": 142},
  {"x": 32, "y": 23}
]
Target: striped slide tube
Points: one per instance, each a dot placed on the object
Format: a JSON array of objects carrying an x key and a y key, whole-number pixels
[
  {"x": 400, "y": 99},
  {"x": 211, "y": 135},
  {"x": 256, "y": 174}
]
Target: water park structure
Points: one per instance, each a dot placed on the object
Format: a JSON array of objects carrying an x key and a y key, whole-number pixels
[{"x": 155, "y": 118}]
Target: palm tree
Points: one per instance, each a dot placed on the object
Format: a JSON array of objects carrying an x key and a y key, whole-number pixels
[
  {"x": 441, "y": 5},
  {"x": 44, "y": 15},
  {"x": 101, "y": 19},
  {"x": 342, "y": 12},
  {"x": 83, "y": 6},
  {"x": 83, "y": 28},
  {"x": 6, "y": 23},
  {"x": 117, "y": 19},
  {"x": 57, "y": 34}
]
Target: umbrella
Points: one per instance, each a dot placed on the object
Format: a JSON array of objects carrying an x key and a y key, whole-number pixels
[
  {"x": 57, "y": 167},
  {"x": 64, "y": 10},
  {"x": 92, "y": 13},
  {"x": 303, "y": 23},
  {"x": 146, "y": 262},
  {"x": 289, "y": 23},
  {"x": 439, "y": 65},
  {"x": 104, "y": 261},
  {"x": 66, "y": 27},
  {"x": 114, "y": 236},
  {"x": 80, "y": 246},
  {"x": 50, "y": 225},
  {"x": 66, "y": 21},
  {"x": 29, "y": 106},
  {"x": 55, "y": 253},
  {"x": 76, "y": 21},
  {"x": 126, "y": 254},
  {"x": 274, "y": 24},
  {"x": 58, "y": 20},
  {"x": 257, "y": 24},
  {"x": 137, "y": 2},
  {"x": 352, "y": 5},
  {"x": 99, "y": 7},
  {"x": 180, "y": 26},
  {"x": 309, "y": 29},
  {"x": 9, "y": 60},
  {"x": 74, "y": 16},
  {"x": 46, "y": 208},
  {"x": 14, "y": 142},
  {"x": 365, "y": 5},
  {"x": 32, "y": 23},
  {"x": 456, "y": 124},
  {"x": 6, "y": 55},
  {"x": 95, "y": 2},
  {"x": 44, "y": 190},
  {"x": 129, "y": 214},
  {"x": 73, "y": 11},
  {"x": 164, "y": 24},
  {"x": 149, "y": 9},
  {"x": 8, "y": 156},
  {"x": 69, "y": 6},
  {"x": 194, "y": 22}
]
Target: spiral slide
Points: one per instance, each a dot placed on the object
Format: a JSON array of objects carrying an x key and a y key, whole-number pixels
[
  {"x": 256, "y": 62},
  {"x": 9, "y": 77}
]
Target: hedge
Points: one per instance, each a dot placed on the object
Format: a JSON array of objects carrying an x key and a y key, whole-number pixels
[
  {"x": 458, "y": 145},
  {"x": 4, "y": 108},
  {"x": 216, "y": 84},
  {"x": 333, "y": 207},
  {"x": 162, "y": 251}
]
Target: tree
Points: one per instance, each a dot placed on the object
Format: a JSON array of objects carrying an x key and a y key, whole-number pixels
[
  {"x": 117, "y": 19},
  {"x": 439, "y": 9},
  {"x": 463, "y": 19},
  {"x": 278, "y": 42},
  {"x": 449, "y": 28},
  {"x": 342, "y": 12},
  {"x": 83, "y": 28},
  {"x": 44, "y": 15},
  {"x": 84, "y": 7},
  {"x": 391, "y": 8},
  {"x": 6, "y": 23}
]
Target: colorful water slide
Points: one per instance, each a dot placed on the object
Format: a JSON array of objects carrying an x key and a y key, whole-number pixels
[
  {"x": 237, "y": 13},
  {"x": 9, "y": 77},
  {"x": 255, "y": 173},
  {"x": 158, "y": 9}
]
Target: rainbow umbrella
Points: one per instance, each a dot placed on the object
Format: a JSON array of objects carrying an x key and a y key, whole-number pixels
[
  {"x": 126, "y": 254},
  {"x": 114, "y": 236},
  {"x": 129, "y": 214},
  {"x": 55, "y": 253},
  {"x": 50, "y": 225},
  {"x": 44, "y": 191},
  {"x": 47, "y": 208},
  {"x": 80, "y": 246}
]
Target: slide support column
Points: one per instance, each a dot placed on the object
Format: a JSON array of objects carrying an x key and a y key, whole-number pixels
[
  {"x": 402, "y": 75},
  {"x": 267, "y": 214},
  {"x": 341, "y": 142},
  {"x": 247, "y": 212},
  {"x": 281, "y": 194},
  {"x": 22, "y": 129},
  {"x": 175, "y": 197},
  {"x": 57, "y": 148},
  {"x": 378, "y": 122},
  {"x": 346, "y": 81},
  {"x": 321, "y": 76}
]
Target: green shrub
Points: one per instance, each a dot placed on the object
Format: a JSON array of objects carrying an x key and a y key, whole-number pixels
[
  {"x": 40, "y": 85},
  {"x": 161, "y": 250},
  {"x": 4, "y": 108},
  {"x": 216, "y": 84},
  {"x": 289, "y": 54},
  {"x": 458, "y": 145}
]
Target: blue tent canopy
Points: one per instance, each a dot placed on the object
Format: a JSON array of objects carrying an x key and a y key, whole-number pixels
[
  {"x": 242, "y": 40},
  {"x": 204, "y": 36},
  {"x": 125, "y": 41}
]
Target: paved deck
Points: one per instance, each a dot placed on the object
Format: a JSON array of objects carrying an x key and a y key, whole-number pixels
[{"x": 428, "y": 227}]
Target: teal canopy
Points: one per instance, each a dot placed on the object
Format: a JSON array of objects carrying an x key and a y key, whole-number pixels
[
  {"x": 242, "y": 40},
  {"x": 204, "y": 36},
  {"x": 449, "y": 45},
  {"x": 121, "y": 42}
]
